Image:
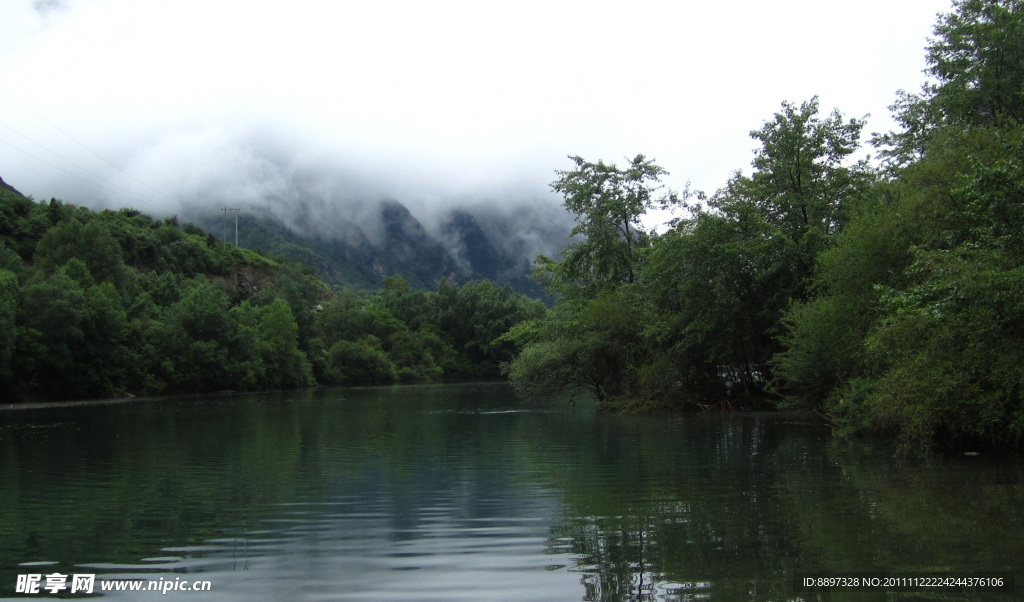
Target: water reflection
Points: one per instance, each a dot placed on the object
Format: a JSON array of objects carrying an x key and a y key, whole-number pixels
[{"x": 462, "y": 492}]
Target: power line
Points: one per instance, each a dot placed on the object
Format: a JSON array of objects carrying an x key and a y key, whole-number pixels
[
  {"x": 76, "y": 141},
  {"x": 63, "y": 158},
  {"x": 73, "y": 175}
]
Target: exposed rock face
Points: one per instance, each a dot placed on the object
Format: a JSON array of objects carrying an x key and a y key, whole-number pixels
[{"x": 467, "y": 246}]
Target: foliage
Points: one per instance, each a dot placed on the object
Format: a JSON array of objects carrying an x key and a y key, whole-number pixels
[
  {"x": 977, "y": 60},
  {"x": 690, "y": 316},
  {"x": 475, "y": 317},
  {"x": 607, "y": 203},
  {"x": 115, "y": 302},
  {"x": 915, "y": 327},
  {"x": 949, "y": 344},
  {"x": 887, "y": 300},
  {"x": 591, "y": 346}
]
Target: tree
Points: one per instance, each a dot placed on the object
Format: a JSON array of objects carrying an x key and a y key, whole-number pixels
[
  {"x": 474, "y": 316},
  {"x": 592, "y": 345},
  {"x": 949, "y": 344},
  {"x": 977, "y": 60},
  {"x": 719, "y": 283},
  {"x": 286, "y": 365},
  {"x": 800, "y": 183},
  {"x": 608, "y": 203},
  {"x": 591, "y": 341},
  {"x": 50, "y": 333},
  {"x": 361, "y": 362},
  {"x": 403, "y": 301},
  {"x": 92, "y": 243},
  {"x": 717, "y": 286}
]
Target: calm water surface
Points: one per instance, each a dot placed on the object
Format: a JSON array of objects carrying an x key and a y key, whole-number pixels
[{"x": 462, "y": 492}]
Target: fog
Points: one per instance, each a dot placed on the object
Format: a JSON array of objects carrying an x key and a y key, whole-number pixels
[{"x": 317, "y": 111}]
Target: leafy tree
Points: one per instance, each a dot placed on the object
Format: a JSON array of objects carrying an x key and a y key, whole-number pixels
[
  {"x": 91, "y": 243},
  {"x": 342, "y": 318},
  {"x": 22, "y": 222},
  {"x": 475, "y": 316},
  {"x": 915, "y": 321},
  {"x": 947, "y": 349},
  {"x": 717, "y": 287},
  {"x": 720, "y": 282},
  {"x": 589, "y": 341},
  {"x": 823, "y": 342},
  {"x": 361, "y": 362},
  {"x": 297, "y": 285},
  {"x": 404, "y": 302},
  {"x": 50, "y": 331},
  {"x": 800, "y": 184},
  {"x": 608, "y": 203},
  {"x": 592, "y": 346},
  {"x": 977, "y": 60},
  {"x": 195, "y": 337},
  {"x": 286, "y": 365}
]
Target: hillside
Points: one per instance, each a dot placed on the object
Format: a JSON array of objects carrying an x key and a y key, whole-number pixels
[
  {"x": 95, "y": 304},
  {"x": 467, "y": 247}
]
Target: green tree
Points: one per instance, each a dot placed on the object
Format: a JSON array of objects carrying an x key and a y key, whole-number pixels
[
  {"x": 717, "y": 286},
  {"x": 92, "y": 243},
  {"x": 801, "y": 182},
  {"x": 591, "y": 346},
  {"x": 947, "y": 349},
  {"x": 589, "y": 341},
  {"x": 977, "y": 60},
  {"x": 50, "y": 331},
  {"x": 195, "y": 338},
  {"x": 404, "y": 302},
  {"x": 608, "y": 203},
  {"x": 474, "y": 317},
  {"x": 362, "y": 362},
  {"x": 285, "y": 364}
]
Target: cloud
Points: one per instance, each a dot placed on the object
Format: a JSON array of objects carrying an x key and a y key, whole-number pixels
[
  {"x": 322, "y": 108},
  {"x": 45, "y": 6}
]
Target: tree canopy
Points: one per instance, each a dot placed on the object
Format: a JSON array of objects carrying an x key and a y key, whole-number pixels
[
  {"x": 116, "y": 302},
  {"x": 885, "y": 297}
]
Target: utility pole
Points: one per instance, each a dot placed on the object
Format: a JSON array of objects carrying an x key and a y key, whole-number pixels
[{"x": 226, "y": 209}]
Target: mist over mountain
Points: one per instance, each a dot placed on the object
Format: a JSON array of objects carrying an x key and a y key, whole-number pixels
[
  {"x": 494, "y": 241},
  {"x": 354, "y": 219}
]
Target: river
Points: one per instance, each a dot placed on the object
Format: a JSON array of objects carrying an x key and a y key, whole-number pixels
[{"x": 463, "y": 492}]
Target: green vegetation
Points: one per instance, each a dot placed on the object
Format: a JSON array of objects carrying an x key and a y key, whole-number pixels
[
  {"x": 886, "y": 297},
  {"x": 116, "y": 302}
]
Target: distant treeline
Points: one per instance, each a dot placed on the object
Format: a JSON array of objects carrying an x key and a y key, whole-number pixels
[
  {"x": 887, "y": 296},
  {"x": 108, "y": 303}
]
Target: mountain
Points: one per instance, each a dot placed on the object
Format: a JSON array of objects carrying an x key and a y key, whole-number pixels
[
  {"x": 466, "y": 245},
  {"x": 8, "y": 187}
]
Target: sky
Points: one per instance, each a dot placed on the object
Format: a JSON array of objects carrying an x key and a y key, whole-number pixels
[{"x": 160, "y": 105}]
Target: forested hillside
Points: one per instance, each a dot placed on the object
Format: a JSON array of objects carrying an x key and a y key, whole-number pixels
[
  {"x": 888, "y": 297},
  {"x": 116, "y": 302}
]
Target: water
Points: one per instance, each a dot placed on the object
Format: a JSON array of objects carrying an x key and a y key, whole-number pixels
[{"x": 461, "y": 492}]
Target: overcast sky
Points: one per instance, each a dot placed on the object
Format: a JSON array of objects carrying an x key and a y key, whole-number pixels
[{"x": 153, "y": 102}]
